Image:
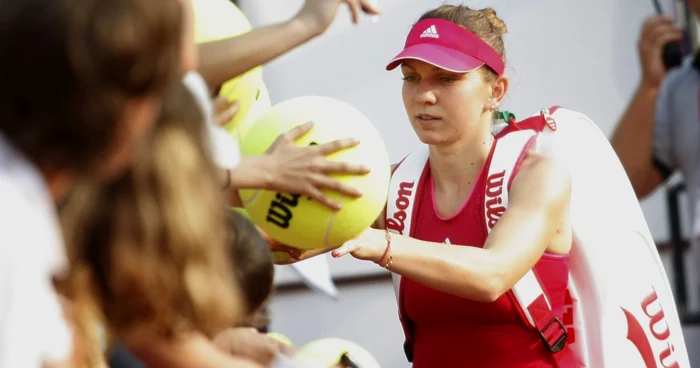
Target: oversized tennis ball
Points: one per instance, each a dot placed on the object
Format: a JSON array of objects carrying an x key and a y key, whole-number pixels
[
  {"x": 254, "y": 99},
  {"x": 333, "y": 351},
  {"x": 220, "y": 19},
  {"x": 299, "y": 221}
]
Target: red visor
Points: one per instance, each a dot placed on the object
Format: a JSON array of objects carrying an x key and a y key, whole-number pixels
[{"x": 448, "y": 46}]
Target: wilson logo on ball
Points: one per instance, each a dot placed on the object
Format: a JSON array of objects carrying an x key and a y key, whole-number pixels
[{"x": 279, "y": 213}]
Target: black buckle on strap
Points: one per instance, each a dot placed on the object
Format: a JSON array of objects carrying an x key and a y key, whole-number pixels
[{"x": 560, "y": 341}]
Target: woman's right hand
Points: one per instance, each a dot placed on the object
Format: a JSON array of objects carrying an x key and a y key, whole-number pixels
[{"x": 305, "y": 170}]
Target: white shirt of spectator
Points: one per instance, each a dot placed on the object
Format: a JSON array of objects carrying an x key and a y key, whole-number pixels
[
  {"x": 32, "y": 327},
  {"x": 676, "y": 133},
  {"x": 224, "y": 147}
]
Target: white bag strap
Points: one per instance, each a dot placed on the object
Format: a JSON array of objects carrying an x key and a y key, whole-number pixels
[
  {"x": 505, "y": 156},
  {"x": 402, "y": 197},
  {"x": 529, "y": 296}
]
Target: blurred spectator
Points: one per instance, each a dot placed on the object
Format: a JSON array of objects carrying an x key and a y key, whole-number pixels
[{"x": 659, "y": 133}]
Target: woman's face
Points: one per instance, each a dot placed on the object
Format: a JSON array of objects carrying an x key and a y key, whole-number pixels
[{"x": 445, "y": 107}]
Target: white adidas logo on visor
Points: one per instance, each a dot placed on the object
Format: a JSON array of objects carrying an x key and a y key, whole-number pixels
[{"x": 430, "y": 32}]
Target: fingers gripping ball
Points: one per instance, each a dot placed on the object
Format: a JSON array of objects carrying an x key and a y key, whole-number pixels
[
  {"x": 333, "y": 351},
  {"x": 219, "y": 19},
  {"x": 299, "y": 221},
  {"x": 251, "y": 92}
]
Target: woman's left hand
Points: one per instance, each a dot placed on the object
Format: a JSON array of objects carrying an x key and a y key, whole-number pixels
[{"x": 370, "y": 245}]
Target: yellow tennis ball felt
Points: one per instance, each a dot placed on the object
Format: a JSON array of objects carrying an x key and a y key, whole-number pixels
[
  {"x": 220, "y": 19},
  {"x": 250, "y": 91},
  {"x": 299, "y": 221},
  {"x": 334, "y": 351}
]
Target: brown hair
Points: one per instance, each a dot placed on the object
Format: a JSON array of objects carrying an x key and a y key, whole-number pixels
[
  {"x": 69, "y": 68},
  {"x": 252, "y": 262},
  {"x": 154, "y": 242},
  {"x": 482, "y": 22}
]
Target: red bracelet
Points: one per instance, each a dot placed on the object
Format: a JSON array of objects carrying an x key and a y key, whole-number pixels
[{"x": 386, "y": 260}]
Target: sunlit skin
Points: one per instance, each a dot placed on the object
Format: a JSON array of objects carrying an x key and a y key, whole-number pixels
[
  {"x": 452, "y": 112},
  {"x": 446, "y": 108}
]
